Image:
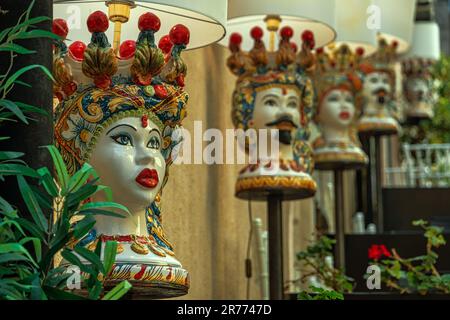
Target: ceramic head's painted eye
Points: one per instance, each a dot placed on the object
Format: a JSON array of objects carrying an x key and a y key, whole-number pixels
[
  {"x": 154, "y": 142},
  {"x": 123, "y": 139},
  {"x": 270, "y": 103}
]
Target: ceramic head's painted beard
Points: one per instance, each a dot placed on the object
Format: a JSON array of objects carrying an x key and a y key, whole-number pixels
[
  {"x": 381, "y": 95},
  {"x": 285, "y": 125},
  {"x": 285, "y": 136}
]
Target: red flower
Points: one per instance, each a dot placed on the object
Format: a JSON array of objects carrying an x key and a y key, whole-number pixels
[
  {"x": 374, "y": 252},
  {"x": 378, "y": 251}
]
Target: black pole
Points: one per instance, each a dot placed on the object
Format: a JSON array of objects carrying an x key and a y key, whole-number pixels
[
  {"x": 378, "y": 203},
  {"x": 339, "y": 217},
  {"x": 275, "y": 247}
]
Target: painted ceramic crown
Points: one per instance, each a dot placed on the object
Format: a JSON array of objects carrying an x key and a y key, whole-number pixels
[
  {"x": 379, "y": 115},
  {"x": 259, "y": 70},
  {"x": 418, "y": 87},
  {"x": 97, "y": 86},
  {"x": 338, "y": 146}
]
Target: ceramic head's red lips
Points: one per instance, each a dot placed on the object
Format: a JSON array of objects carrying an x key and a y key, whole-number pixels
[
  {"x": 148, "y": 178},
  {"x": 344, "y": 115}
]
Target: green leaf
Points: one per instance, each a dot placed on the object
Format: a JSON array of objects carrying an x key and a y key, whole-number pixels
[
  {"x": 27, "y": 107},
  {"x": 37, "y": 34},
  {"x": 32, "y": 204},
  {"x": 11, "y": 106},
  {"x": 29, "y": 22},
  {"x": 83, "y": 226},
  {"x": 118, "y": 291},
  {"x": 99, "y": 212},
  {"x": 95, "y": 291},
  {"x": 36, "y": 244},
  {"x": 99, "y": 205},
  {"x": 58, "y": 294},
  {"x": 12, "y": 47},
  {"x": 3, "y": 33},
  {"x": 32, "y": 228},
  {"x": 5, "y": 207},
  {"x": 23, "y": 70},
  {"x": 16, "y": 248},
  {"x": 61, "y": 170},
  {"x": 12, "y": 169},
  {"x": 91, "y": 257},
  {"x": 80, "y": 177},
  {"x": 48, "y": 182},
  {"x": 9, "y": 155},
  {"x": 73, "y": 259},
  {"x": 110, "y": 256}
]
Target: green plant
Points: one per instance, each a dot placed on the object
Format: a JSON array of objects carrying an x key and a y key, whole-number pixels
[
  {"x": 314, "y": 261},
  {"x": 24, "y": 29},
  {"x": 29, "y": 274},
  {"x": 320, "y": 294},
  {"x": 28, "y": 246},
  {"x": 416, "y": 274}
]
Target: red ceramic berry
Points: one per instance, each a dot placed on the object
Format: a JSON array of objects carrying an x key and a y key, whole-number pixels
[
  {"x": 294, "y": 47},
  {"x": 286, "y": 32},
  {"x": 165, "y": 44},
  {"x": 395, "y": 43},
  {"x": 76, "y": 50},
  {"x": 179, "y": 34},
  {"x": 235, "y": 39},
  {"x": 60, "y": 28},
  {"x": 149, "y": 21},
  {"x": 160, "y": 91},
  {"x": 319, "y": 50},
  {"x": 70, "y": 88},
  {"x": 97, "y": 22},
  {"x": 360, "y": 51},
  {"x": 180, "y": 80},
  {"x": 102, "y": 82},
  {"x": 127, "y": 49},
  {"x": 307, "y": 36},
  {"x": 256, "y": 33}
]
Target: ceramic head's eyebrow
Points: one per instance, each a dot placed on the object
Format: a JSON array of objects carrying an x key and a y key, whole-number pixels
[{"x": 121, "y": 125}]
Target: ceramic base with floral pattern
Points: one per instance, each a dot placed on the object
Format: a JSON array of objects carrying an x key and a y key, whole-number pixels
[
  {"x": 338, "y": 156},
  {"x": 378, "y": 126},
  {"x": 258, "y": 181}
]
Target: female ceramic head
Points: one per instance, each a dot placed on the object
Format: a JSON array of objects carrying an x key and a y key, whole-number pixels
[{"x": 336, "y": 109}]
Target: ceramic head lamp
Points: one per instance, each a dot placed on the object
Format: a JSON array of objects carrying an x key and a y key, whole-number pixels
[
  {"x": 337, "y": 88},
  {"x": 273, "y": 92},
  {"x": 119, "y": 111}
]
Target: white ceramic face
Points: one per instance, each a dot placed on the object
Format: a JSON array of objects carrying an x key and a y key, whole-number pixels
[
  {"x": 274, "y": 104},
  {"x": 128, "y": 159},
  {"x": 337, "y": 109},
  {"x": 417, "y": 90},
  {"x": 377, "y": 88}
]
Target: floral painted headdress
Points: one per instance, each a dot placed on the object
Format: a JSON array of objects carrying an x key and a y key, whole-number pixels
[
  {"x": 337, "y": 70},
  {"x": 259, "y": 69},
  {"x": 96, "y": 86}
]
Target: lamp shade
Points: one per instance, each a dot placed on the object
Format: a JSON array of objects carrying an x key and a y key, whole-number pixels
[
  {"x": 425, "y": 41},
  {"x": 205, "y": 19},
  {"x": 351, "y": 25},
  {"x": 314, "y": 15},
  {"x": 396, "y": 21}
]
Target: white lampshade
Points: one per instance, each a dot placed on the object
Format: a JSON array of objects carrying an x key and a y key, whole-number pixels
[
  {"x": 300, "y": 15},
  {"x": 426, "y": 41},
  {"x": 396, "y": 21},
  {"x": 205, "y": 19},
  {"x": 351, "y": 25}
]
